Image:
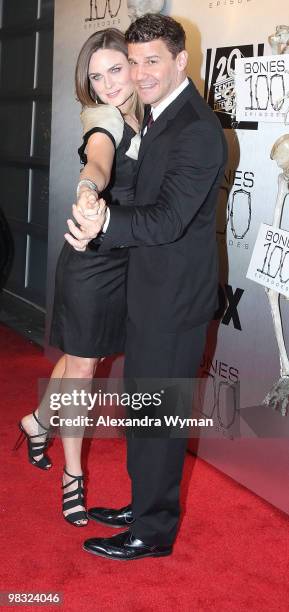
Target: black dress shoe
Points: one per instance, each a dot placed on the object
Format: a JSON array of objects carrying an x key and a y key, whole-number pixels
[
  {"x": 113, "y": 518},
  {"x": 124, "y": 547}
]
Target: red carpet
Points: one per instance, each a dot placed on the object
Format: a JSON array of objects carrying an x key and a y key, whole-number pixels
[{"x": 231, "y": 553}]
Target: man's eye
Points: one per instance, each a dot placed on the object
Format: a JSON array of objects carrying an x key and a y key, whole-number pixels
[
  {"x": 131, "y": 62},
  {"x": 116, "y": 69},
  {"x": 152, "y": 61}
]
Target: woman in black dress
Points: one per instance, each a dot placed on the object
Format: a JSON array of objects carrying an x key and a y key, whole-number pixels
[{"x": 90, "y": 303}]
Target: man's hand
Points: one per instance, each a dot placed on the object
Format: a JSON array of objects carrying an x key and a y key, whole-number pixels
[{"x": 90, "y": 221}]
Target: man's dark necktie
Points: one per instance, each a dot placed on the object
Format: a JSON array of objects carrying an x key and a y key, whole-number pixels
[
  {"x": 148, "y": 123},
  {"x": 150, "y": 120}
]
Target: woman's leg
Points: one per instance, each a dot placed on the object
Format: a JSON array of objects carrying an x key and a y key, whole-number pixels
[
  {"x": 43, "y": 411},
  {"x": 83, "y": 369}
]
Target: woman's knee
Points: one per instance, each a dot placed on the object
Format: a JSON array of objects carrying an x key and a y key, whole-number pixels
[{"x": 80, "y": 367}]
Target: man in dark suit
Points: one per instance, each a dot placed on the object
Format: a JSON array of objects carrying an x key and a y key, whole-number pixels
[{"x": 172, "y": 274}]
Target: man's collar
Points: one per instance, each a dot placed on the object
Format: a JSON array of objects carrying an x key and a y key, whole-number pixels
[{"x": 158, "y": 110}]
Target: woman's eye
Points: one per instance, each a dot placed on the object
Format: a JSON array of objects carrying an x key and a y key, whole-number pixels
[{"x": 96, "y": 77}]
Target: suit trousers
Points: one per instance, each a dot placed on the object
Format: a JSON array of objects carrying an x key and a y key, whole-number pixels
[{"x": 154, "y": 464}]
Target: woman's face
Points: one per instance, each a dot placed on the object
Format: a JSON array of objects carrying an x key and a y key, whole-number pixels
[{"x": 109, "y": 75}]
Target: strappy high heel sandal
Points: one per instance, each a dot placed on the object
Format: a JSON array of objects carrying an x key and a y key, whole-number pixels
[
  {"x": 35, "y": 448},
  {"x": 80, "y": 515}
]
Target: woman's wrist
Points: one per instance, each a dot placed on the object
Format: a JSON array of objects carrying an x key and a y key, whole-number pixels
[{"x": 85, "y": 184}]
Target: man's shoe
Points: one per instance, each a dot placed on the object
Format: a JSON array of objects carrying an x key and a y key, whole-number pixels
[
  {"x": 113, "y": 518},
  {"x": 124, "y": 547}
]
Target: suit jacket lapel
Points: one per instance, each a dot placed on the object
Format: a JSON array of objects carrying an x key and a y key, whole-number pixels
[
  {"x": 150, "y": 136},
  {"x": 160, "y": 124}
]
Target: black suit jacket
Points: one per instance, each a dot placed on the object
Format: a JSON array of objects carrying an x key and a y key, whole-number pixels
[{"x": 173, "y": 267}]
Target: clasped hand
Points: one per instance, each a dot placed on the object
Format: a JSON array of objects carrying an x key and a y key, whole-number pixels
[{"x": 90, "y": 214}]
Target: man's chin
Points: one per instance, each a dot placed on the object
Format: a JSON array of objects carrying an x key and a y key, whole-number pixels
[
  {"x": 149, "y": 100},
  {"x": 148, "y": 96}
]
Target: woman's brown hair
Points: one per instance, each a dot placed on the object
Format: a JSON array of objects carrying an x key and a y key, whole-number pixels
[{"x": 105, "y": 39}]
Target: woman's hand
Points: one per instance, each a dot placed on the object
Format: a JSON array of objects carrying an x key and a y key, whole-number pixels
[
  {"x": 87, "y": 203},
  {"x": 89, "y": 225}
]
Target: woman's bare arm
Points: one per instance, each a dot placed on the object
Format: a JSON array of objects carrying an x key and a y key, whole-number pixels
[{"x": 100, "y": 155}]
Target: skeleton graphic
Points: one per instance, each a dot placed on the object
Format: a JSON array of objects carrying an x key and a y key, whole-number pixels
[
  {"x": 137, "y": 8},
  {"x": 278, "y": 396},
  {"x": 279, "y": 41}
]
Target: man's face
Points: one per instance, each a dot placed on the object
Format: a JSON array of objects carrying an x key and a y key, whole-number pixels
[{"x": 154, "y": 71}]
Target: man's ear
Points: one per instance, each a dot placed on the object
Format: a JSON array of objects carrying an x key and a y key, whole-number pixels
[{"x": 182, "y": 60}]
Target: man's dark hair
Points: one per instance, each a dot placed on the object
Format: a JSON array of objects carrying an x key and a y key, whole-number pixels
[{"x": 153, "y": 27}]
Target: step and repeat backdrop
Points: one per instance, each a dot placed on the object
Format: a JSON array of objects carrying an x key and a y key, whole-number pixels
[{"x": 242, "y": 346}]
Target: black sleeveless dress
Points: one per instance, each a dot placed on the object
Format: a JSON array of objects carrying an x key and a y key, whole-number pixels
[{"x": 89, "y": 313}]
